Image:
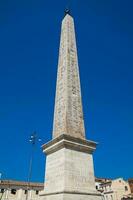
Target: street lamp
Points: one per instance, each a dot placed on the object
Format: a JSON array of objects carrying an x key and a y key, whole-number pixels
[
  {"x": 0, "y": 182},
  {"x": 33, "y": 140},
  {"x": 0, "y": 177},
  {"x": 2, "y": 189}
]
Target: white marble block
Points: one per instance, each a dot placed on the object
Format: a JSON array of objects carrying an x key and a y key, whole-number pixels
[
  {"x": 69, "y": 169},
  {"x": 72, "y": 197}
]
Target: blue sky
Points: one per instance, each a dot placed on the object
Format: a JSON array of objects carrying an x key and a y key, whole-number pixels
[{"x": 29, "y": 43}]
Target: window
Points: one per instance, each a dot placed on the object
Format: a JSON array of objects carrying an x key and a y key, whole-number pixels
[
  {"x": 13, "y": 191},
  {"x": 96, "y": 187},
  {"x": 126, "y": 188},
  {"x": 2, "y": 190},
  {"x": 37, "y": 192},
  {"x": 25, "y": 191},
  {"x": 111, "y": 197}
]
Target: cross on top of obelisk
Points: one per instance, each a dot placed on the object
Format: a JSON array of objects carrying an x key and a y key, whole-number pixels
[
  {"x": 67, "y": 11},
  {"x": 68, "y": 114}
]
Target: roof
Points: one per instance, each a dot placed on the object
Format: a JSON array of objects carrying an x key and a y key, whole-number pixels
[
  {"x": 10, "y": 183},
  {"x": 106, "y": 182},
  {"x": 102, "y": 180}
]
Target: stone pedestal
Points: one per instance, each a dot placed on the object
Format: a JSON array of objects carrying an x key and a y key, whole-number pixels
[
  {"x": 69, "y": 170},
  {"x": 72, "y": 196}
]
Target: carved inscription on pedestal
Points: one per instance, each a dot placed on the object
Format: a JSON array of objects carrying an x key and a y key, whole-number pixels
[{"x": 55, "y": 172}]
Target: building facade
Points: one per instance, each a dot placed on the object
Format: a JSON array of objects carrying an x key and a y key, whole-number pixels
[
  {"x": 99, "y": 181},
  {"x": 115, "y": 189},
  {"x": 130, "y": 181},
  {"x": 18, "y": 190}
]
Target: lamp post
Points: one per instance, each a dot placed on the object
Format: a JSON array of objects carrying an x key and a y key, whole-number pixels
[
  {"x": 0, "y": 182},
  {"x": 0, "y": 177},
  {"x": 2, "y": 193},
  {"x": 33, "y": 140}
]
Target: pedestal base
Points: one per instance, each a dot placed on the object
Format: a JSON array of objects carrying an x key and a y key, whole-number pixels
[
  {"x": 72, "y": 196},
  {"x": 69, "y": 170}
]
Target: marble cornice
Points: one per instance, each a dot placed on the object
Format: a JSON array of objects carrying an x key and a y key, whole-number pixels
[
  {"x": 95, "y": 193},
  {"x": 69, "y": 142}
]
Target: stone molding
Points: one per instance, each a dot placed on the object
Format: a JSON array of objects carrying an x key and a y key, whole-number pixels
[
  {"x": 95, "y": 193},
  {"x": 69, "y": 142}
]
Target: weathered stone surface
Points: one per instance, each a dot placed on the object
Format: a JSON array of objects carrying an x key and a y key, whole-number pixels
[
  {"x": 69, "y": 142},
  {"x": 68, "y": 115},
  {"x": 69, "y": 171},
  {"x": 72, "y": 197}
]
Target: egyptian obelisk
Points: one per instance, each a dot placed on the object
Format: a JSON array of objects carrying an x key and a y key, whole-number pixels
[{"x": 69, "y": 169}]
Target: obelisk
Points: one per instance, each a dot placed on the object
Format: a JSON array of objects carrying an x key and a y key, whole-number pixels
[{"x": 69, "y": 173}]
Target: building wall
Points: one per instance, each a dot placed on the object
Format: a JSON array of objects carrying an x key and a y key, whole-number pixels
[
  {"x": 19, "y": 195},
  {"x": 121, "y": 188},
  {"x": 130, "y": 181},
  {"x": 14, "y": 190},
  {"x": 115, "y": 189}
]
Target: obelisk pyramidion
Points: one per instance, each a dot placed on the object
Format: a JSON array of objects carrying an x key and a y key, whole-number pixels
[{"x": 69, "y": 171}]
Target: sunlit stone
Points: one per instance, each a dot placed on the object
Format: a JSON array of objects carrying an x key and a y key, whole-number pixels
[{"x": 69, "y": 171}]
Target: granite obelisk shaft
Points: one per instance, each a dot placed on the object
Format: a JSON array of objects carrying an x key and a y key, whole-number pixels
[{"x": 68, "y": 114}]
